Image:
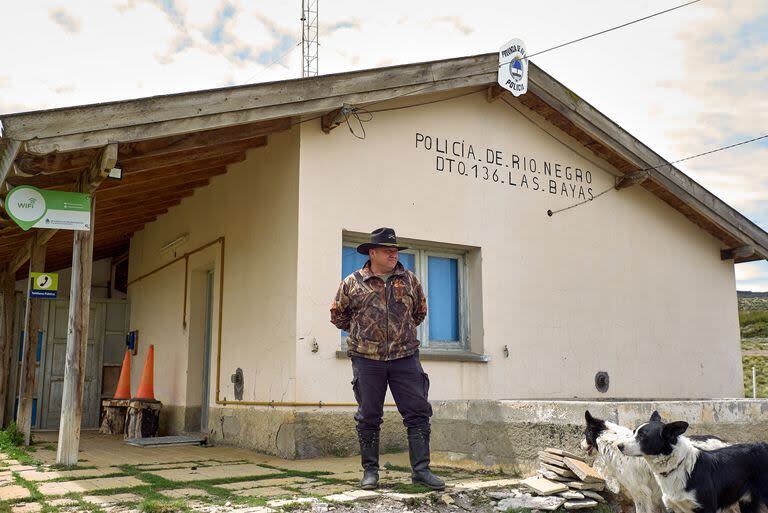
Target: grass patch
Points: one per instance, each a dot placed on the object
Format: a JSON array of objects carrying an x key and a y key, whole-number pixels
[
  {"x": 29, "y": 485},
  {"x": 12, "y": 444},
  {"x": 163, "y": 506},
  {"x": 761, "y": 370},
  {"x": 408, "y": 488},
  {"x": 60, "y": 466}
]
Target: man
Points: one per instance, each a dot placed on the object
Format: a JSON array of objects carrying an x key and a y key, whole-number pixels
[{"x": 380, "y": 306}]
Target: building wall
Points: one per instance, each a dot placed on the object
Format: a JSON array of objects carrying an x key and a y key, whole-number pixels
[
  {"x": 255, "y": 207},
  {"x": 624, "y": 284}
]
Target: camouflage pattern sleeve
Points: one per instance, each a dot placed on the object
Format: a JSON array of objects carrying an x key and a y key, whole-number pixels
[
  {"x": 340, "y": 313},
  {"x": 419, "y": 304}
]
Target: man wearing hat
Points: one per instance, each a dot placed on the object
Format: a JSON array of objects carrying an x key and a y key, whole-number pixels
[{"x": 380, "y": 306}]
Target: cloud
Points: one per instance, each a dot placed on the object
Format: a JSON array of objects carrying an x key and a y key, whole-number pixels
[
  {"x": 456, "y": 22},
  {"x": 65, "y": 20}
]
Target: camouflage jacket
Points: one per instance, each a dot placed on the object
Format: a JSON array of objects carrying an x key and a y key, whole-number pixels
[{"x": 381, "y": 318}]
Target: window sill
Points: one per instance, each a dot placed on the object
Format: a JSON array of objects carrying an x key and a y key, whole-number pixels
[{"x": 442, "y": 356}]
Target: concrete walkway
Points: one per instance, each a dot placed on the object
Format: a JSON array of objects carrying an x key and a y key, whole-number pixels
[{"x": 114, "y": 477}]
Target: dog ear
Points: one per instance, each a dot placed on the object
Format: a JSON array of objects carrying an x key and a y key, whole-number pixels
[
  {"x": 655, "y": 417},
  {"x": 588, "y": 416},
  {"x": 671, "y": 431}
]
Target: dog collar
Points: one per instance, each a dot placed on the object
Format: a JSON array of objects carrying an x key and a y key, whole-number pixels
[{"x": 667, "y": 473}]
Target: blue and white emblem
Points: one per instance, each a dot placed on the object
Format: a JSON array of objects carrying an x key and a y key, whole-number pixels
[{"x": 513, "y": 67}]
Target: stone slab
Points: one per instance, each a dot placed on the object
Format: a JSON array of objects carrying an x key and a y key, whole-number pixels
[
  {"x": 279, "y": 503},
  {"x": 479, "y": 485},
  {"x": 542, "y": 503},
  {"x": 265, "y": 491},
  {"x": 584, "y": 471},
  {"x": 564, "y": 454},
  {"x": 28, "y": 507},
  {"x": 21, "y": 468},
  {"x": 219, "y": 472},
  {"x": 89, "y": 485},
  {"x": 60, "y": 503},
  {"x": 12, "y": 492},
  {"x": 544, "y": 486},
  {"x": 404, "y": 496},
  {"x": 583, "y": 504},
  {"x": 323, "y": 488},
  {"x": 38, "y": 476},
  {"x": 571, "y": 495},
  {"x": 593, "y": 495},
  {"x": 184, "y": 493},
  {"x": 108, "y": 500},
  {"x": 255, "y": 483}
]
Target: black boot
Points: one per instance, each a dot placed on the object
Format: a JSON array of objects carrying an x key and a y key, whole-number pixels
[
  {"x": 418, "y": 449},
  {"x": 369, "y": 456}
]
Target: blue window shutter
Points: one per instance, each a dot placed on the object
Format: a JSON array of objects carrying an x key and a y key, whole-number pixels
[
  {"x": 34, "y": 412},
  {"x": 21, "y": 344},
  {"x": 408, "y": 260},
  {"x": 443, "y": 298}
]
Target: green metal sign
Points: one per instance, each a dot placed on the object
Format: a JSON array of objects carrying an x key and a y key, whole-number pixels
[
  {"x": 31, "y": 207},
  {"x": 44, "y": 285}
]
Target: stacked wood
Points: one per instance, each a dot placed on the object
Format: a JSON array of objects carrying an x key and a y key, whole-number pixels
[
  {"x": 143, "y": 418},
  {"x": 568, "y": 476},
  {"x": 114, "y": 413}
]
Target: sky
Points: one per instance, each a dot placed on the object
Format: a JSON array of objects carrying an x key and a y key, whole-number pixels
[{"x": 684, "y": 82}]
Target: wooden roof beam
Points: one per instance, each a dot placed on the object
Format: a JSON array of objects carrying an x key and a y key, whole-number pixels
[
  {"x": 176, "y": 157},
  {"x": 739, "y": 253},
  {"x": 635, "y": 178}
]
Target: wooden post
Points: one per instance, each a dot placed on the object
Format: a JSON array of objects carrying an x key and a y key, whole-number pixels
[
  {"x": 28, "y": 368},
  {"x": 8, "y": 284},
  {"x": 77, "y": 343}
]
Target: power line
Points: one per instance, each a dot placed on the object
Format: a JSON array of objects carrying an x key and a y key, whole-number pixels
[
  {"x": 278, "y": 59},
  {"x": 647, "y": 169}
]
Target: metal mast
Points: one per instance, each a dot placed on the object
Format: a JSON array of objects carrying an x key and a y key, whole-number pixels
[{"x": 309, "y": 40}]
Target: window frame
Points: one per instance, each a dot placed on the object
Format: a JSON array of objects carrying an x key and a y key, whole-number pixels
[{"x": 422, "y": 253}]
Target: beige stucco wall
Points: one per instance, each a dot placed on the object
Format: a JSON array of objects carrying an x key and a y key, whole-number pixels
[
  {"x": 255, "y": 207},
  {"x": 624, "y": 284}
]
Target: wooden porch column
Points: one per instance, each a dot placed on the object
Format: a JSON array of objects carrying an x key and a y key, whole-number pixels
[
  {"x": 77, "y": 344},
  {"x": 7, "y": 282},
  {"x": 28, "y": 368}
]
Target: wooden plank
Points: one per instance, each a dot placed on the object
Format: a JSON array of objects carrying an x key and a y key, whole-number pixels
[
  {"x": 101, "y": 166},
  {"x": 7, "y": 282},
  {"x": 634, "y": 178},
  {"x": 150, "y": 188},
  {"x": 737, "y": 253},
  {"x": 77, "y": 161},
  {"x": 77, "y": 343},
  {"x": 133, "y": 195},
  {"x": 220, "y": 160},
  {"x": 7, "y": 158},
  {"x": 584, "y": 471},
  {"x": 188, "y": 125},
  {"x": 28, "y": 366},
  {"x": 494, "y": 93},
  {"x": 61, "y": 122},
  {"x": 198, "y": 140},
  {"x": 171, "y": 158},
  {"x": 544, "y": 486},
  {"x": 46, "y": 181},
  {"x": 156, "y": 178}
]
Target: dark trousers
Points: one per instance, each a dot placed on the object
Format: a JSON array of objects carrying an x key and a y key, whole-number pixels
[{"x": 407, "y": 381}]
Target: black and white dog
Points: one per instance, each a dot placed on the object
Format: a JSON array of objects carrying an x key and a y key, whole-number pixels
[
  {"x": 693, "y": 480},
  {"x": 621, "y": 472}
]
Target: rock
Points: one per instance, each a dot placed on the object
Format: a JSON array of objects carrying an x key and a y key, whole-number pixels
[
  {"x": 320, "y": 507},
  {"x": 571, "y": 495},
  {"x": 579, "y": 485},
  {"x": 584, "y": 471},
  {"x": 582, "y": 504},
  {"x": 545, "y": 503},
  {"x": 447, "y": 499},
  {"x": 593, "y": 495},
  {"x": 565, "y": 454},
  {"x": 502, "y": 495}
]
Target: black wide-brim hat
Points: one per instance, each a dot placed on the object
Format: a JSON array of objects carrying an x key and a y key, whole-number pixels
[{"x": 380, "y": 238}]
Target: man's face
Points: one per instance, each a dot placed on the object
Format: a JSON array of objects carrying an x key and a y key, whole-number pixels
[{"x": 384, "y": 258}]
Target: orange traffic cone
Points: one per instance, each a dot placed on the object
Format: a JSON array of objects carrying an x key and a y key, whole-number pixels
[
  {"x": 124, "y": 383},
  {"x": 146, "y": 389}
]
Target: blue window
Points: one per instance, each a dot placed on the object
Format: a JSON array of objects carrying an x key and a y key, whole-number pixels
[
  {"x": 441, "y": 274},
  {"x": 39, "y": 345},
  {"x": 443, "y": 298}
]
